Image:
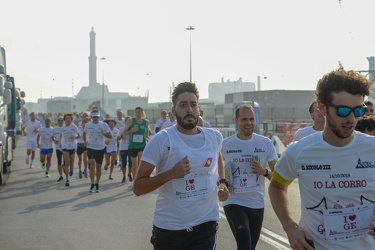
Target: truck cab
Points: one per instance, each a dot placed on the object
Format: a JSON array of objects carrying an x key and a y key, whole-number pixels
[{"x": 6, "y": 141}]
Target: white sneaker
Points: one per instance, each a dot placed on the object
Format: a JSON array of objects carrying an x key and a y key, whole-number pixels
[
  {"x": 31, "y": 166},
  {"x": 27, "y": 160}
]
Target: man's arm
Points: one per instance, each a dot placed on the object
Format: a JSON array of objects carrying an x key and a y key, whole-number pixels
[
  {"x": 279, "y": 198},
  {"x": 221, "y": 167}
]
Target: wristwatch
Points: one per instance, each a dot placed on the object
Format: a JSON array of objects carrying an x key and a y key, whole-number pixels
[
  {"x": 267, "y": 173},
  {"x": 225, "y": 181}
]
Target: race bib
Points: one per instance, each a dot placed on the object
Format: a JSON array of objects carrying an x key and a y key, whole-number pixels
[
  {"x": 347, "y": 223},
  {"x": 138, "y": 138},
  {"x": 192, "y": 187},
  {"x": 244, "y": 183}
]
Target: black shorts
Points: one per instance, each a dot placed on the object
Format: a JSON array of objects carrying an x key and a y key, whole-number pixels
[
  {"x": 97, "y": 155},
  {"x": 202, "y": 236},
  {"x": 71, "y": 151},
  {"x": 134, "y": 151},
  {"x": 81, "y": 148}
]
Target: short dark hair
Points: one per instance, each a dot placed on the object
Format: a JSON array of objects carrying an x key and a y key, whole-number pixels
[
  {"x": 368, "y": 103},
  {"x": 182, "y": 88},
  {"x": 311, "y": 108},
  {"x": 365, "y": 122},
  {"x": 341, "y": 80}
]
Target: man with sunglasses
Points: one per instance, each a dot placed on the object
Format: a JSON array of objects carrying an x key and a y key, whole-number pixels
[
  {"x": 94, "y": 134},
  {"x": 335, "y": 171}
]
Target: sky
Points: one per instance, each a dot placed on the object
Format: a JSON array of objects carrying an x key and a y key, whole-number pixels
[{"x": 291, "y": 44}]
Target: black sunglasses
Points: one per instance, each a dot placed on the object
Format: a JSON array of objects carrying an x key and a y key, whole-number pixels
[{"x": 344, "y": 111}]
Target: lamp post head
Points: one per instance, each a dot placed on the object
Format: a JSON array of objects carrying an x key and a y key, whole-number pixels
[{"x": 190, "y": 28}]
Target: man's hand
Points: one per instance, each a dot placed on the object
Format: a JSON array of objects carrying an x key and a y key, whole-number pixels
[
  {"x": 181, "y": 168},
  {"x": 299, "y": 239},
  {"x": 223, "y": 192},
  {"x": 257, "y": 168}
]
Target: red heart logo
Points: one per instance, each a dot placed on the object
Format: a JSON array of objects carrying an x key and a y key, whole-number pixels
[
  {"x": 352, "y": 217},
  {"x": 191, "y": 181}
]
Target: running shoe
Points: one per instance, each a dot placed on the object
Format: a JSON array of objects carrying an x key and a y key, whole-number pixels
[
  {"x": 71, "y": 172},
  {"x": 31, "y": 166},
  {"x": 130, "y": 177},
  {"x": 110, "y": 177},
  {"x": 43, "y": 166},
  {"x": 67, "y": 183},
  {"x": 92, "y": 188},
  {"x": 27, "y": 160},
  {"x": 47, "y": 174},
  {"x": 97, "y": 188},
  {"x": 80, "y": 174},
  {"x": 105, "y": 167},
  {"x": 123, "y": 179},
  {"x": 60, "y": 179},
  {"x": 86, "y": 175}
]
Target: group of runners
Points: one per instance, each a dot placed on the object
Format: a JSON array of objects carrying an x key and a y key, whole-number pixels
[{"x": 92, "y": 140}]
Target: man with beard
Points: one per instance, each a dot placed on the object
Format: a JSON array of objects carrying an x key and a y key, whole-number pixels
[
  {"x": 246, "y": 155},
  {"x": 318, "y": 125},
  {"x": 334, "y": 170},
  {"x": 188, "y": 166}
]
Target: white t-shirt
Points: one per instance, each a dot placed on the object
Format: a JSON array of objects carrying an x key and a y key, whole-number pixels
[
  {"x": 206, "y": 124},
  {"x": 32, "y": 129},
  {"x": 160, "y": 122},
  {"x": 94, "y": 137},
  {"x": 68, "y": 136},
  {"x": 112, "y": 146},
  {"x": 56, "y": 132},
  {"x": 303, "y": 132},
  {"x": 124, "y": 142},
  {"x": 119, "y": 122},
  {"x": 167, "y": 124},
  {"x": 185, "y": 202},
  {"x": 333, "y": 178},
  {"x": 247, "y": 188},
  {"x": 45, "y": 139},
  {"x": 80, "y": 139}
]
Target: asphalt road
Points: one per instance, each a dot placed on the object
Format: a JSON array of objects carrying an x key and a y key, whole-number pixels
[{"x": 40, "y": 213}]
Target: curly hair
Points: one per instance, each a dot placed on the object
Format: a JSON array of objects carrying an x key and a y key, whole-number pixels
[
  {"x": 365, "y": 122},
  {"x": 341, "y": 80},
  {"x": 182, "y": 88}
]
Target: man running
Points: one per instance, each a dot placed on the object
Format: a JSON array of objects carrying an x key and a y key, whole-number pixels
[
  {"x": 30, "y": 130},
  {"x": 45, "y": 143}
]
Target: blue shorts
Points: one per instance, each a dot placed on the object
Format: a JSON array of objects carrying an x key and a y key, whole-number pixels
[{"x": 46, "y": 151}]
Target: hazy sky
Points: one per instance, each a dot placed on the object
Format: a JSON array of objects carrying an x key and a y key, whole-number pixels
[{"x": 292, "y": 43}]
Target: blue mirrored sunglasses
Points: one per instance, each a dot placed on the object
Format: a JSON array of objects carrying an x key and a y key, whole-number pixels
[{"x": 344, "y": 111}]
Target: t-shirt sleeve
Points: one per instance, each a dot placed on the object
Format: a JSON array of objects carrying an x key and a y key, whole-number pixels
[
  {"x": 286, "y": 166},
  {"x": 155, "y": 149}
]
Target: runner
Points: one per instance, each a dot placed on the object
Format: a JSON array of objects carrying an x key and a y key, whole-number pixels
[
  {"x": 94, "y": 134},
  {"x": 69, "y": 134},
  {"x": 45, "y": 143},
  {"x": 137, "y": 129},
  {"x": 56, "y": 131},
  {"x": 30, "y": 130},
  {"x": 111, "y": 147},
  {"x": 81, "y": 150},
  {"x": 124, "y": 153}
]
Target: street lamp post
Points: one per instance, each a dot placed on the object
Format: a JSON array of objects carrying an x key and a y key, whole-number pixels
[
  {"x": 103, "y": 58},
  {"x": 190, "y": 28}
]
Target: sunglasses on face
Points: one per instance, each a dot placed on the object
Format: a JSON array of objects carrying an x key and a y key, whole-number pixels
[{"x": 344, "y": 111}]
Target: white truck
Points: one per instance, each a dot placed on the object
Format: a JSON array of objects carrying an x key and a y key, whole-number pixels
[{"x": 6, "y": 141}]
